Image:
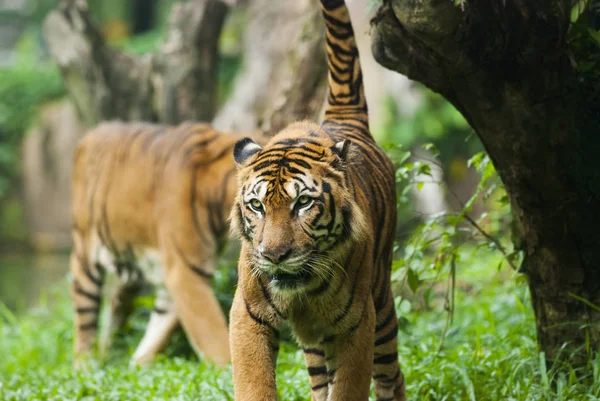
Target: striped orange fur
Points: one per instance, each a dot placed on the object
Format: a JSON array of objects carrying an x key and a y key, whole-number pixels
[
  {"x": 150, "y": 203},
  {"x": 316, "y": 211}
]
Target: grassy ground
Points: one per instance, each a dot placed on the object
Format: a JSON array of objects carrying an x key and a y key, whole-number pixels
[{"x": 489, "y": 353}]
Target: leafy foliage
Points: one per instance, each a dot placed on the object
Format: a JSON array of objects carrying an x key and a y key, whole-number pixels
[{"x": 489, "y": 353}]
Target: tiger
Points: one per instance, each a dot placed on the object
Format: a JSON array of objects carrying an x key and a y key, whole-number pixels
[
  {"x": 150, "y": 204},
  {"x": 316, "y": 215}
]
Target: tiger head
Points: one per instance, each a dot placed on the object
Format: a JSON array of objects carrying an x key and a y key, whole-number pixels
[{"x": 295, "y": 207}]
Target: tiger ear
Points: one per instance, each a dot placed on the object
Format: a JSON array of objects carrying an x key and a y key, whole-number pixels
[
  {"x": 341, "y": 149},
  {"x": 243, "y": 149}
]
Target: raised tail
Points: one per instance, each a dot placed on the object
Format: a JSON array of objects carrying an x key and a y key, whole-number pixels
[{"x": 346, "y": 99}]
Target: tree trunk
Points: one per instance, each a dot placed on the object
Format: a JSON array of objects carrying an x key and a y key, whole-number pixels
[
  {"x": 284, "y": 76},
  {"x": 174, "y": 84},
  {"x": 519, "y": 80}
]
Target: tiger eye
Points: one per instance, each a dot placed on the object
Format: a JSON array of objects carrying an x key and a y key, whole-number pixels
[
  {"x": 303, "y": 200},
  {"x": 255, "y": 203}
]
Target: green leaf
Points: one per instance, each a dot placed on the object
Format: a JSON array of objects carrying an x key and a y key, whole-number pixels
[
  {"x": 424, "y": 169},
  {"x": 413, "y": 280},
  {"x": 503, "y": 201},
  {"x": 476, "y": 159},
  {"x": 432, "y": 148},
  {"x": 594, "y": 34},
  {"x": 578, "y": 9}
]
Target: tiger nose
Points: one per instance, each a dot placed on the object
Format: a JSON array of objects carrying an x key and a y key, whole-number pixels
[{"x": 276, "y": 255}]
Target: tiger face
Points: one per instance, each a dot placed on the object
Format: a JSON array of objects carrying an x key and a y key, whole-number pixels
[{"x": 294, "y": 208}]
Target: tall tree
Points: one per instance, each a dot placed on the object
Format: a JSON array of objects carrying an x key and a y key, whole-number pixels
[
  {"x": 527, "y": 80},
  {"x": 178, "y": 82}
]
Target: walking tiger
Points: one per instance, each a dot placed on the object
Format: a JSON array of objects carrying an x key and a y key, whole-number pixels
[
  {"x": 316, "y": 213},
  {"x": 151, "y": 203}
]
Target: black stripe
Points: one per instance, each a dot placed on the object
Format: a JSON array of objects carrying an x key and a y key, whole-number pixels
[
  {"x": 92, "y": 297},
  {"x": 348, "y": 305},
  {"x": 199, "y": 271},
  {"x": 241, "y": 223},
  {"x": 339, "y": 80},
  {"x": 260, "y": 320},
  {"x": 338, "y": 51},
  {"x": 160, "y": 311},
  {"x": 267, "y": 296},
  {"x": 393, "y": 333},
  {"x": 96, "y": 280},
  {"x": 328, "y": 339},
  {"x": 213, "y": 218},
  {"x": 317, "y": 370},
  {"x": 300, "y": 162},
  {"x": 383, "y": 377},
  {"x": 196, "y": 269},
  {"x": 339, "y": 69},
  {"x": 198, "y": 145},
  {"x": 225, "y": 152},
  {"x": 320, "y": 289},
  {"x": 314, "y": 351},
  {"x": 319, "y": 386},
  {"x": 338, "y": 29},
  {"x": 89, "y": 326},
  {"x": 386, "y": 359},
  {"x": 91, "y": 309},
  {"x": 387, "y": 319},
  {"x": 331, "y": 5}
]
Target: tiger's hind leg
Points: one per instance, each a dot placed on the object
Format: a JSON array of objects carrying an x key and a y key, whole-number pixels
[
  {"x": 86, "y": 292},
  {"x": 163, "y": 322},
  {"x": 198, "y": 309},
  {"x": 317, "y": 372},
  {"x": 121, "y": 308},
  {"x": 389, "y": 380}
]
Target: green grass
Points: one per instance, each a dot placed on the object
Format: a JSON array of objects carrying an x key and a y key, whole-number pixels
[{"x": 489, "y": 353}]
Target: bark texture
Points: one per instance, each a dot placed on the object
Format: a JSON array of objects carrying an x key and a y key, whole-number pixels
[
  {"x": 176, "y": 83},
  {"x": 510, "y": 68},
  {"x": 284, "y": 74}
]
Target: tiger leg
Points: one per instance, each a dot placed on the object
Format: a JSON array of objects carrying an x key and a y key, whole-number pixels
[
  {"x": 254, "y": 347},
  {"x": 389, "y": 380},
  {"x": 317, "y": 372},
  {"x": 350, "y": 361},
  {"x": 120, "y": 310},
  {"x": 199, "y": 312},
  {"x": 163, "y": 322},
  {"x": 86, "y": 292}
]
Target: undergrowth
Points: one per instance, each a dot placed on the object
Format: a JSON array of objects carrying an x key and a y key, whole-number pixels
[{"x": 488, "y": 353}]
